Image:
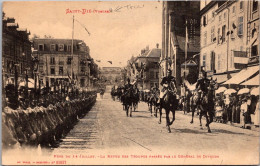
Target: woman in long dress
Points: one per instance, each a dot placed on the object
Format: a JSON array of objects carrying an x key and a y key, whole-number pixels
[
  {"x": 257, "y": 111},
  {"x": 243, "y": 111}
]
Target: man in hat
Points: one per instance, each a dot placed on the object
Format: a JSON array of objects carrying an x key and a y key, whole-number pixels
[
  {"x": 166, "y": 81},
  {"x": 128, "y": 85},
  {"x": 202, "y": 85}
]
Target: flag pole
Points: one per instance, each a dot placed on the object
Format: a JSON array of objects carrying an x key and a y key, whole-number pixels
[
  {"x": 186, "y": 47},
  {"x": 72, "y": 45}
]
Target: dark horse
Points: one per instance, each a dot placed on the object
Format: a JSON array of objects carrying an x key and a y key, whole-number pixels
[
  {"x": 153, "y": 103},
  {"x": 206, "y": 106},
  {"x": 170, "y": 104},
  {"x": 128, "y": 101}
]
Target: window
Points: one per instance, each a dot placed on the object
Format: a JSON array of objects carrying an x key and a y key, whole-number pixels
[
  {"x": 204, "y": 20},
  {"x": 69, "y": 61},
  {"x": 241, "y": 48},
  {"x": 219, "y": 18},
  {"x": 151, "y": 75},
  {"x": 41, "y": 69},
  {"x": 212, "y": 36},
  {"x": 241, "y": 5},
  {"x": 60, "y": 70},
  {"x": 223, "y": 33},
  {"x": 225, "y": 16},
  {"x": 41, "y": 47},
  {"x": 82, "y": 82},
  {"x": 204, "y": 60},
  {"x": 212, "y": 63},
  {"x": 254, "y": 51},
  {"x": 69, "y": 48},
  {"x": 240, "y": 26},
  {"x": 52, "y": 70},
  {"x": 61, "y": 47},
  {"x": 219, "y": 36},
  {"x": 205, "y": 38},
  {"x": 255, "y": 4},
  {"x": 53, "y": 47},
  {"x": 234, "y": 9},
  {"x": 232, "y": 36},
  {"x": 52, "y": 62}
]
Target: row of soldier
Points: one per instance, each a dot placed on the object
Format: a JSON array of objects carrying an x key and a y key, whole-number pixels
[{"x": 44, "y": 126}]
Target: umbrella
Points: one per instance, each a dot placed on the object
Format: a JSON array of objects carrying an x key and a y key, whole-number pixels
[
  {"x": 229, "y": 91},
  {"x": 255, "y": 91},
  {"x": 220, "y": 90},
  {"x": 243, "y": 91},
  {"x": 30, "y": 84}
]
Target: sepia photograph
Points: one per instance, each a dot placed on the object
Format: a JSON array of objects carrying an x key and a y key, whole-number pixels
[{"x": 130, "y": 82}]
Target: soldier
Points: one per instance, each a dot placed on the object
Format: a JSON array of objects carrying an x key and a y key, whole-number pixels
[
  {"x": 166, "y": 81},
  {"x": 128, "y": 85},
  {"x": 202, "y": 86}
]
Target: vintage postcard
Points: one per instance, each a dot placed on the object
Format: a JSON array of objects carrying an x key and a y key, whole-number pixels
[{"x": 130, "y": 82}]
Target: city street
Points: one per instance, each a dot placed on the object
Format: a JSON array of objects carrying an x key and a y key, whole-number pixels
[{"x": 106, "y": 130}]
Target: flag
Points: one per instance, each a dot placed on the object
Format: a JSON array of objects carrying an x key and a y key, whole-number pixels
[
  {"x": 83, "y": 26},
  {"x": 110, "y": 62}
]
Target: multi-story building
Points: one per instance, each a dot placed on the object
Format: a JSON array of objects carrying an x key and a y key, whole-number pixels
[
  {"x": 145, "y": 68},
  {"x": 229, "y": 36},
  {"x": 16, "y": 52},
  {"x": 57, "y": 60},
  {"x": 112, "y": 75},
  {"x": 180, "y": 37}
]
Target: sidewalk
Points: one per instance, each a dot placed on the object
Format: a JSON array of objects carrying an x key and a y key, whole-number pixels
[{"x": 248, "y": 126}]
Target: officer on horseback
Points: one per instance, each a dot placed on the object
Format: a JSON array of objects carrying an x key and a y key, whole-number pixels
[
  {"x": 128, "y": 85},
  {"x": 202, "y": 86},
  {"x": 166, "y": 82}
]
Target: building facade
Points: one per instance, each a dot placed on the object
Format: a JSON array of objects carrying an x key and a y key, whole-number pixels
[
  {"x": 16, "y": 52},
  {"x": 229, "y": 36},
  {"x": 180, "y": 37},
  {"x": 57, "y": 61},
  {"x": 111, "y": 75},
  {"x": 144, "y": 69}
]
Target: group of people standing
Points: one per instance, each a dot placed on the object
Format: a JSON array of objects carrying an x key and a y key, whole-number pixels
[
  {"x": 239, "y": 108},
  {"x": 41, "y": 125}
]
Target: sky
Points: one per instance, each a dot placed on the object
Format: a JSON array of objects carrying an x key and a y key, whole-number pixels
[{"x": 114, "y": 36}]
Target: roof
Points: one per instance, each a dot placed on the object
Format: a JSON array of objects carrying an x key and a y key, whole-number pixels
[
  {"x": 243, "y": 75},
  {"x": 154, "y": 53}
]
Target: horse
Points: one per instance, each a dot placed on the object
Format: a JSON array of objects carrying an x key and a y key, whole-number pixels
[
  {"x": 135, "y": 98},
  {"x": 129, "y": 101},
  {"x": 153, "y": 103},
  {"x": 206, "y": 105},
  {"x": 170, "y": 104}
]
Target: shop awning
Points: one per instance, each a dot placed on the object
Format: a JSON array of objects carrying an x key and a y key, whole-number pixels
[
  {"x": 242, "y": 75},
  {"x": 222, "y": 78},
  {"x": 254, "y": 81}
]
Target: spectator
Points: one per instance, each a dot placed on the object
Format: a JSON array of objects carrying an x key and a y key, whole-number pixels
[
  {"x": 256, "y": 120},
  {"x": 243, "y": 112}
]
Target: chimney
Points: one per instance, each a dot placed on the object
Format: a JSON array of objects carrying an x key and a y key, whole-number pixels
[{"x": 157, "y": 45}]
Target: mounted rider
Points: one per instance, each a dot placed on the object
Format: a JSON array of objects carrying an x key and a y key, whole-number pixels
[
  {"x": 202, "y": 86},
  {"x": 128, "y": 86},
  {"x": 167, "y": 81}
]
